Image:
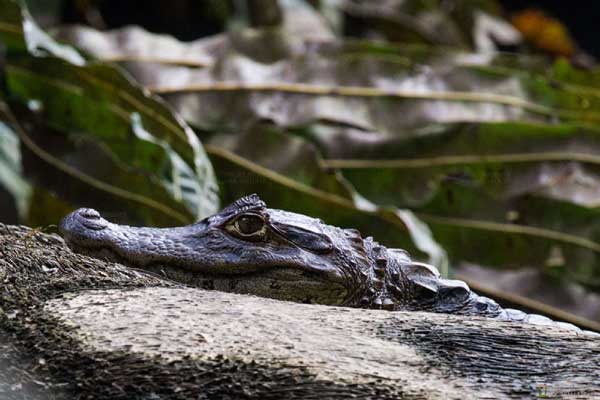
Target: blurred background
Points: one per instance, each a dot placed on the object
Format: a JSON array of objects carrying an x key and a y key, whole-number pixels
[{"x": 466, "y": 131}]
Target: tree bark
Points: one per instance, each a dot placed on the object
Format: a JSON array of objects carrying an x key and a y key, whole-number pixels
[{"x": 93, "y": 329}]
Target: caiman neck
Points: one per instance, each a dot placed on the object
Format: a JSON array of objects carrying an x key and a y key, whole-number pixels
[
  {"x": 385, "y": 284},
  {"x": 395, "y": 282}
]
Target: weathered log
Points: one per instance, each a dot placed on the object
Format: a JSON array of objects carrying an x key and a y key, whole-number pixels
[{"x": 77, "y": 327}]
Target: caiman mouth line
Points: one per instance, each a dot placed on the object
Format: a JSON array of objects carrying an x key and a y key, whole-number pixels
[
  {"x": 109, "y": 254},
  {"x": 289, "y": 274}
]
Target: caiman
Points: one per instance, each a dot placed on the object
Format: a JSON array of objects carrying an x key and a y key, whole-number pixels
[{"x": 251, "y": 249}]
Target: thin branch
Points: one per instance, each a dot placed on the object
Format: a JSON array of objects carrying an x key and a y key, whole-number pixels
[
  {"x": 156, "y": 60},
  {"x": 365, "y": 91},
  {"x": 11, "y": 28},
  {"x": 407, "y": 163},
  {"x": 277, "y": 177},
  {"x": 512, "y": 228}
]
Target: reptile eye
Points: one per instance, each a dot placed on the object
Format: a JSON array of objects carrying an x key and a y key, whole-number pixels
[{"x": 249, "y": 225}]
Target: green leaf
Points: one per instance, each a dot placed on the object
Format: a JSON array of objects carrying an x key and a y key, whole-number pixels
[
  {"x": 90, "y": 101},
  {"x": 11, "y": 26},
  {"x": 35, "y": 205},
  {"x": 11, "y": 177}
]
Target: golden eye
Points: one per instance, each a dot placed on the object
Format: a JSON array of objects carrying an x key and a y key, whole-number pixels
[{"x": 249, "y": 224}]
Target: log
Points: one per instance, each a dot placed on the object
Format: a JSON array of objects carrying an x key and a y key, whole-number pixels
[{"x": 77, "y": 327}]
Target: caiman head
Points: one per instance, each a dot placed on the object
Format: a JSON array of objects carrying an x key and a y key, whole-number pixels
[{"x": 245, "y": 248}]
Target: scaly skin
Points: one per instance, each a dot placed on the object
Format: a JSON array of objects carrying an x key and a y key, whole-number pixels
[{"x": 251, "y": 249}]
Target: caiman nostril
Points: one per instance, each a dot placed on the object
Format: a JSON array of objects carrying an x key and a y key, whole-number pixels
[
  {"x": 87, "y": 218},
  {"x": 89, "y": 213}
]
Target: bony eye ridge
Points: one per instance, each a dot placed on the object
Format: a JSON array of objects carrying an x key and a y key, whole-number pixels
[{"x": 249, "y": 224}]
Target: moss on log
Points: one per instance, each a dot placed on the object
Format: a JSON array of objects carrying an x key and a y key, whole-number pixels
[{"x": 77, "y": 327}]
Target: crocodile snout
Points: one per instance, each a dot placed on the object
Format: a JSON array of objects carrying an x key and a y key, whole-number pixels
[{"x": 80, "y": 222}]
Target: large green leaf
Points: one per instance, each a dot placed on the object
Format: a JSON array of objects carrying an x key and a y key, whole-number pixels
[
  {"x": 11, "y": 174},
  {"x": 91, "y": 102},
  {"x": 35, "y": 206}
]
